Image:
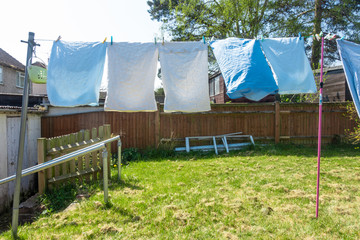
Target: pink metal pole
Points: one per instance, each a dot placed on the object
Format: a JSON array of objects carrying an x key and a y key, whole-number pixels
[{"x": 319, "y": 130}]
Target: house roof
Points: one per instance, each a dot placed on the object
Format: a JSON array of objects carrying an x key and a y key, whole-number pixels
[
  {"x": 15, "y": 109},
  {"x": 7, "y": 60}
]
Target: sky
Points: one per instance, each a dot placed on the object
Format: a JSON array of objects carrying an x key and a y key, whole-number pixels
[{"x": 73, "y": 20}]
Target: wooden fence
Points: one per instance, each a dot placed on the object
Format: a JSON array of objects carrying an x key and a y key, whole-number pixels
[
  {"x": 87, "y": 166},
  {"x": 276, "y": 122}
]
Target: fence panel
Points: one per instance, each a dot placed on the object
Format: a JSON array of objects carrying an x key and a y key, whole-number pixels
[{"x": 279, "y": 122}]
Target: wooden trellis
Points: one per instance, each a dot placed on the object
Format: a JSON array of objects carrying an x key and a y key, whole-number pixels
[{"x": 86, "y": 167}]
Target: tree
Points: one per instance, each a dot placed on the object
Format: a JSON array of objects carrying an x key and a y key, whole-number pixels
[
  {"x": 340, "y": 17},
  {"x": 192, "y": 19},
  {"x": 160, "y": 92},
  {"x": 315, "y": 57}
]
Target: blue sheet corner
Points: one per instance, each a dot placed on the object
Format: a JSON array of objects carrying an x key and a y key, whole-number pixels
[{"x": 244, "y": 68}]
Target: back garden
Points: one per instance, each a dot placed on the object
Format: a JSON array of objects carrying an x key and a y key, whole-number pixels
[{"x": 263, "y": 193}]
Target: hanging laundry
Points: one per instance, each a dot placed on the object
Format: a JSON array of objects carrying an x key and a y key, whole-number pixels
[
  {"x": 350, "y": 57},
  {"x": 131, "y": 75},
  {"x": 244, "y": 68},
  {"x": 184, "y": 70},
  {"x": 74, "y": 73},
  {"x": 291, "y": 67}
]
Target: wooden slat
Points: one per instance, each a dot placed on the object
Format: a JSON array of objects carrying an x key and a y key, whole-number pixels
[
  {"x": 100, "y": 162},
  {"x": 41, "y": 143},
  {"x": 73, "y": 138},
  {"x": 87, "y": 156},
  {"x": 80, "y": 162},
  {"x": 55, "y": 143},
  {"x": 49, "y": 171},
  {"x": 75, "y": 174},
  {"x": 72, "y": 147},
  {"x": 65, "y": 166},
  {"x": 107, "y": 135},
  {"x": 94, "y": 162}
]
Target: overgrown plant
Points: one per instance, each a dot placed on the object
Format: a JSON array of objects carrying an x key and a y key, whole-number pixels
[
  {"x": 59, "y": 198},
  {"x": 354, "y": 135},
  {"x": 130, "y": 154},
  {"x": 62, "y": 196}
]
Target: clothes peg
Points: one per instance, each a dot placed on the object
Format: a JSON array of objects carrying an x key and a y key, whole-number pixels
[
  {"x": 203, "y": 39},
  {"x": 328, "y": 36},
  {"x": 300, "y": 35},
  {"x": 342, "y": 37},
  {"x": 333, "y": 37},
  {"x": 262, "y": 38},
  {"x": 111, "y": 40},
  {"x": 155, "y": 40},
  {"x": 59, "y": 37},
  {"x": 104, "y": 40},
  {"x": 163, "y": 41}
]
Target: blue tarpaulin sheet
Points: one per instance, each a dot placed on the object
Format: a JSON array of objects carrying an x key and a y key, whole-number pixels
[
  {"x": 244, "y": 68},
  {"x": 350, "y": 57}
]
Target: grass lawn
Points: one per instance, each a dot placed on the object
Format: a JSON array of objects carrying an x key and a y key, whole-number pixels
[{"x": 266, "y": 193}]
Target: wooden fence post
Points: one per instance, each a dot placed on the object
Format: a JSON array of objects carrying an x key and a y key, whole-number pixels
[
  {"x": 42, "y": 147},
  {"x": 157, "y": 126},
  {"x": 277, "y": 122},
  {"x": 107, "y": 135}
]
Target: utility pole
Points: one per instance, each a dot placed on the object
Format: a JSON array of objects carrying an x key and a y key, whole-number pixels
[{"x": 25, "y": 101}]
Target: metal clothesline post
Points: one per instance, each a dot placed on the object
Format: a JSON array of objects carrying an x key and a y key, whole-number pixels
[
  {"x": 25, "y": 101},
  {"x": 319, "y": 130}
]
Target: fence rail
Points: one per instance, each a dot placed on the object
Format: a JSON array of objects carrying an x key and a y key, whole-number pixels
[{"x": 277, "y": 122}]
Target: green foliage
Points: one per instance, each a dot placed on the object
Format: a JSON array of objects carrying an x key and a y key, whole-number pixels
[
  {"x": 59, "y": 198},
  {"x": 159, "y": 92},
  {"x": 158, "y": 153},
  {"x": 353, "y": 136},
  {"x": 192, "y": 19},
  {"x": 129, "y": 155},
  {"x": 133, "y": 154}
]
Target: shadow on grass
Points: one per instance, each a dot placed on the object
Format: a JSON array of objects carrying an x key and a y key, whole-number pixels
[
  {"x": 281, "y": 149},
  {"x": 116, "y": 184},
  {"x": 121, "y": 211},
  {"x": 332, "y": 150}
]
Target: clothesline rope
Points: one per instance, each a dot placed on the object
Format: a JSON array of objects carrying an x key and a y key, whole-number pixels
[{"x": 317, "y": 36}]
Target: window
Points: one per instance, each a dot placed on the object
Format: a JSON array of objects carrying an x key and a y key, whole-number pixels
[
  {"x": 217, "y": 85},
  {"x": 214, "y": 86},
  {"x": 1, "y": 76},
  {"x": 211, "y": 87},
  {"x": 20, "y": 79}
]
